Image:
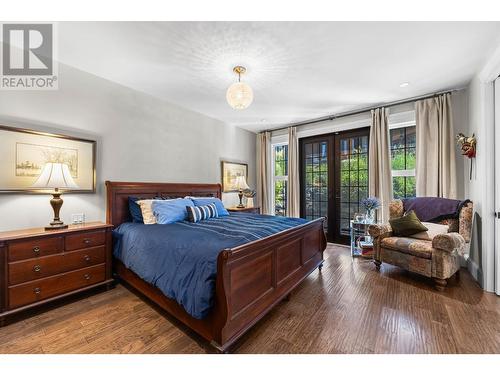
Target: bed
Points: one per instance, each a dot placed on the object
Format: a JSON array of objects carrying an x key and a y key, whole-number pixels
[{"x": 248, "y": 278}]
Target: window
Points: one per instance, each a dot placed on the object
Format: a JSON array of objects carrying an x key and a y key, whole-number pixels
[
  {"x": 403, "y": 144},
  {"x": 280, "y": 178}
]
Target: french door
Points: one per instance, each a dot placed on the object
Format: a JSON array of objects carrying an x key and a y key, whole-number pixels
[{"x": 334, "y": 179}]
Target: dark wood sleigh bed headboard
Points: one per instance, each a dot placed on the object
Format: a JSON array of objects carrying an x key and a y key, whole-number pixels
[{"x": 117, "y": 194}]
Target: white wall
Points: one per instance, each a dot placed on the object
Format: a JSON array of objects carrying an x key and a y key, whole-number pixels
[
  {"x": 140, "y": 138},
  {"x": 480, "y": 189},
  {"x": 460, "y": 113}
]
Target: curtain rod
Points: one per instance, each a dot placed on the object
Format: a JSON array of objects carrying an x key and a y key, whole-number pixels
[{"x": 358, "y": 111}]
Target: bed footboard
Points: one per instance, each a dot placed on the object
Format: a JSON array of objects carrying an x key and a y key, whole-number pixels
[{"x": 253, "y": 278}]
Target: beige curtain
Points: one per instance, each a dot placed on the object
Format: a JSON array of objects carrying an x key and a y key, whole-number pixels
[
  {"x": 293, "y": 191},
  {"x": 435, "y": 165},
  {"x": 263, "y": 171},
  {"x": 379, "y": 162}
]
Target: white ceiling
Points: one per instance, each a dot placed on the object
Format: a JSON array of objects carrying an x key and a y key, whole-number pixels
[{"x": 298, "y": 70}]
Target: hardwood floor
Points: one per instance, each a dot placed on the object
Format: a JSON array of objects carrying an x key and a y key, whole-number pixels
[{"x": 347, "y": 308}]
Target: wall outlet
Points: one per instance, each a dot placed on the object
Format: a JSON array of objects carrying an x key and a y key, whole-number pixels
[{"x": 78, "y": 218}]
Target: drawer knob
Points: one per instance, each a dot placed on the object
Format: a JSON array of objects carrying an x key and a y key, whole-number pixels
[
  {"x": 86, "y": 241},
  {"x": 37, "y": 291},
  {"x": 36, "y": 250},
  {"x": 86, "y": 258},
  {"x": 37, "y": 268},
  {"x": 86, "y": 276}
]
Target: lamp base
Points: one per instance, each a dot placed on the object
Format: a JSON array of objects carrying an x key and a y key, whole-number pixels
[
  {"x": 56, "y": 202},
  {"x": 240, "y": 195},
  {"x": 56, "y": 226}
]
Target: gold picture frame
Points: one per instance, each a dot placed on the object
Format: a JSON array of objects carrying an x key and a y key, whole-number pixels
[
  {"x": 23, "y": 152},
  {"x": 229, "y": 172}
]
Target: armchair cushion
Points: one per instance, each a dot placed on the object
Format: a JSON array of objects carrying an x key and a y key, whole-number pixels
[
  {"x": 449, "y": 242},
  {"x": 411, "y": 246},
  {"x": 433, "y": 231}
]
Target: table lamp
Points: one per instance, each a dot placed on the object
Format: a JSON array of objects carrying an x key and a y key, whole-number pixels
[
  {"x": 241, "y": 184},
  {"x": 55, "y": 176}
]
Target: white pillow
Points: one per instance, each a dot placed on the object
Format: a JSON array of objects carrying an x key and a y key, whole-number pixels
[
  {"x": 147, "y": 211},
  {"x": 433, "y": 230}
]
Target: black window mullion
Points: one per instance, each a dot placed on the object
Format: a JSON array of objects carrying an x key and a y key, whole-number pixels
[{"x": 404, "y": 142}]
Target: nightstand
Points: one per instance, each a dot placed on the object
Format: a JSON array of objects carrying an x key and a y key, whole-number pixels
[
  {"x": 250, "y": 210},
  {"x": 43, "y": 266}
]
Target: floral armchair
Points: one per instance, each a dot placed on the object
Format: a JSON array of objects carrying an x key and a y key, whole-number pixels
[{"x": 438, "y": 258}]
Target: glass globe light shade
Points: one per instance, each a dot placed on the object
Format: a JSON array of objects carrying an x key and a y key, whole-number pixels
[{"x": 239, "y": 95}]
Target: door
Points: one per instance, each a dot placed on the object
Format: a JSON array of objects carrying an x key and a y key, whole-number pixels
[{"x": 334, "y": 179}]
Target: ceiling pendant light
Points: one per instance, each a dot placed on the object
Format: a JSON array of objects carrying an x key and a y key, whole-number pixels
[{"x": 239, "y": 95}]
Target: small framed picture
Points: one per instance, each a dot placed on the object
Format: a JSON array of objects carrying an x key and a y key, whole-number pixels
[
  {"x": 24, "y": 153},
  {"x": 229, "y": 173}
]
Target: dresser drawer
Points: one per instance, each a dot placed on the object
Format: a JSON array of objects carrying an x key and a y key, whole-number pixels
[
  {"x": 38, "y": 290},
  {"x": 84, "y": 240},
  {"x": 32, "y": 269},
  {"x": 34, "y": 248}
]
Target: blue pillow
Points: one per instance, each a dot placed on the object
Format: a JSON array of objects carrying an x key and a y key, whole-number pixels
[
  {"x": 135, "y": 210},
  {"x": 171, "y": 211},
  {"x": 207, "y": 200}
]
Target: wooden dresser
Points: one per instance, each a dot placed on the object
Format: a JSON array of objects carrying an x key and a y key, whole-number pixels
[{"x": 39, "y": 266}]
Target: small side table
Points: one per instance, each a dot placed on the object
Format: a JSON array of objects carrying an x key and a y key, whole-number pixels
[
  {"x": 250, "y": 210},
  {"x": 361, "y": 241}
]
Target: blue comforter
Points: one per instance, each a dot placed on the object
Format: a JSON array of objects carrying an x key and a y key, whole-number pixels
[{"x": 181, "y": 258}]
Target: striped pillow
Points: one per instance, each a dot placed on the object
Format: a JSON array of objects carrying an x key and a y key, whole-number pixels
[{"x": 197, "y": 213}]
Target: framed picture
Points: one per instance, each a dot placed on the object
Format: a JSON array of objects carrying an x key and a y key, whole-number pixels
[
  {"x": 24, "y": 152},
  {"x": 229, "y": 173}
]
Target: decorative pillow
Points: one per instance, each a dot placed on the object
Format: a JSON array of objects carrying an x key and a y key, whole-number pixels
[
  {"x": 433, "y": 230},
  {"x": 203, "y": 201},
  {"x": 407, "y": 225},
  {"x": 146, "y": 210},
  {"x": 171, "y": 211},
  {"x": 197, "y": 213},
  {"x": 135, "y": 210}
]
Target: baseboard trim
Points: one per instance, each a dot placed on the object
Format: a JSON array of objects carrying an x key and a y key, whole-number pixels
[{"x": 475, "y": 271}]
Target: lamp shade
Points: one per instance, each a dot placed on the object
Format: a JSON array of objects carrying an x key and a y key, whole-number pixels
[
  {"x": 239, "y": 95},
  {"x": 55, "y": 175},
  {"x": 241, "y": 183}
]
